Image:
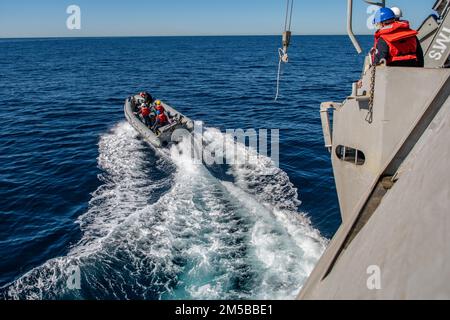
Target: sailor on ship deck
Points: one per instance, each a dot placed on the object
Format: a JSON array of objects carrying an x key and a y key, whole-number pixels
[{"x": 395, "y": 42}]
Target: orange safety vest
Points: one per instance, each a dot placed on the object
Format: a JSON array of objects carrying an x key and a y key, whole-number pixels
[
  {"x": 401, "y": 40},
  {"x": 162, "y": 118},
  {"x": 145, "y": 111}
]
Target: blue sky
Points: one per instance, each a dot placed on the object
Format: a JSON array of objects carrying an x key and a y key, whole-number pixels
[{"x": 47, "y": 18}]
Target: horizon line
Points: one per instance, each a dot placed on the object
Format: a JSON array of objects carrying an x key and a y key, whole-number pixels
[{"x": 169, "y": 36}]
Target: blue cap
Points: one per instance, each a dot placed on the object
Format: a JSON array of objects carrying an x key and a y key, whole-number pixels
[{"x": 383, "y": 14}]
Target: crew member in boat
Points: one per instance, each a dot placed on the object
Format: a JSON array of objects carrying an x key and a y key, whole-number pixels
[
  {"x": 161, "y": 119},
  {"x": 395, "y": 42},
  {"x": 145, "y": 114},
  {"x": 159, "y": 106},
  {"x": 148, "y": 99}
]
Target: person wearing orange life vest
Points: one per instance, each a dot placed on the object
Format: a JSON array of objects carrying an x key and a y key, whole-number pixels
[
  {"x": 395, "y": 42},
  {"x": 145, "y": 113},
  {"x": 159, "y": 107},
  {"x": 160, "y": 121},
  {"x": 148, "y": 99}
]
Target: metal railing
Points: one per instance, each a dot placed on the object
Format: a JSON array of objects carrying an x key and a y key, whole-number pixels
[{"x": 355, "y": 42}]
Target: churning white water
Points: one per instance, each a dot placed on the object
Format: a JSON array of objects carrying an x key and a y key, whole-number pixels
[{"x": 162, "y": 226}]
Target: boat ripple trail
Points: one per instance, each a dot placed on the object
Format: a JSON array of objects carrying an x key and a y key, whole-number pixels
[{"x": 162, "y": 226}]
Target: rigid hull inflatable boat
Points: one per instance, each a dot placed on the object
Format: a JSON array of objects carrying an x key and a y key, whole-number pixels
[{"x": 163, "y": 135}]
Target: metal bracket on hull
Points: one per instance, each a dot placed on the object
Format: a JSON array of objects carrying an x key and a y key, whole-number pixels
[{"x": 325, "y": 118}]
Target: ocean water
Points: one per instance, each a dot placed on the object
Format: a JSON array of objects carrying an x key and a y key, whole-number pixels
[{"x": 79, "y": 189}]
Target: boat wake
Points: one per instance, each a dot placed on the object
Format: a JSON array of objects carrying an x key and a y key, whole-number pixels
[{"x": 162, "y": 226}]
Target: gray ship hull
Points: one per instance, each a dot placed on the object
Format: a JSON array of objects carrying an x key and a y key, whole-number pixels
[{"x": 389, "y": 145}]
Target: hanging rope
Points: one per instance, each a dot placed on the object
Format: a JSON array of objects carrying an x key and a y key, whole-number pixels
[{"x": 283, "y": 52}]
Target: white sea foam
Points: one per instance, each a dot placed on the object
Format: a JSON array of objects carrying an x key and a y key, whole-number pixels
[{"x": 163, "y": 227}]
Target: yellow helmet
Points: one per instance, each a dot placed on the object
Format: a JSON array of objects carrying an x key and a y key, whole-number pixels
[{"x": 158, "y": 102}]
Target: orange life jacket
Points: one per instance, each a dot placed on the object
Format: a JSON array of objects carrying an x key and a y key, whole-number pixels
[
  {"x": 145, "y": 111},
  {"x": 401, "y": 40},
  {"x": 162, "y": 119}
]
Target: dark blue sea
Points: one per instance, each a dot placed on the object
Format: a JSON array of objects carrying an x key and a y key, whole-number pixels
[{"x": 88, "y": 210}]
